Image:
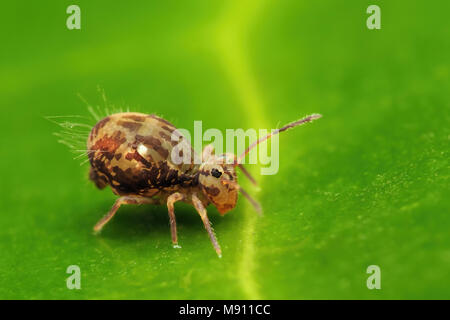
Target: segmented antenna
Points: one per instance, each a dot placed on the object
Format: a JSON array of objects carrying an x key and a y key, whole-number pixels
[
  {"x": 270, "y": 135},
  {"x": 254, "y": 203},
  {"x": 247, "y": 174}
]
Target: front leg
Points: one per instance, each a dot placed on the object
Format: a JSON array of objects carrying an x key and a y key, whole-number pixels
[
  {"x": 203, "y": 214},
  {"x": 120, "y": 201},
  {"x": 174, "y": 197}
]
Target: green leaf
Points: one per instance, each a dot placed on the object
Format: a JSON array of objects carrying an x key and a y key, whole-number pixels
[{"x": 365, "y": 185}]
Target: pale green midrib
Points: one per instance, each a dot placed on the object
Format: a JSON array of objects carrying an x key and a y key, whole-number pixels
[{"x": 231, "y": 39}]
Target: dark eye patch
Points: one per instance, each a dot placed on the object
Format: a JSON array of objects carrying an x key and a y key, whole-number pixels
[{"x": 216, "y": 173}]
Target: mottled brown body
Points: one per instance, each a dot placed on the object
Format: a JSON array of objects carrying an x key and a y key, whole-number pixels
[{"x": 131, "y": 152}]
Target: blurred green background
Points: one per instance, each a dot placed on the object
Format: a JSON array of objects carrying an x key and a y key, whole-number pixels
[{"x": 366, "y": 184}]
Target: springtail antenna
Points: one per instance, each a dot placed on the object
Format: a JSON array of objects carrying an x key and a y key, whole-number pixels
[
  {"x": 254, "y": 203},
  {"x": 270, "y": 135},
  {"x": 247, "y": 174}
]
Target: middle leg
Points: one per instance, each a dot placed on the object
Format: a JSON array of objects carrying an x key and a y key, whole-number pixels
[{"x": 174, "y": 197}]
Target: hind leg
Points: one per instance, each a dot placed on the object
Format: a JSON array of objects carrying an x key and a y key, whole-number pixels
[
  {"x": 120, "y": 201},
  {"x": 174, "y": 197}
]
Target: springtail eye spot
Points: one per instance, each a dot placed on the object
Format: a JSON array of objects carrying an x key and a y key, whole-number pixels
[{"x": 216, "y": 173}]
